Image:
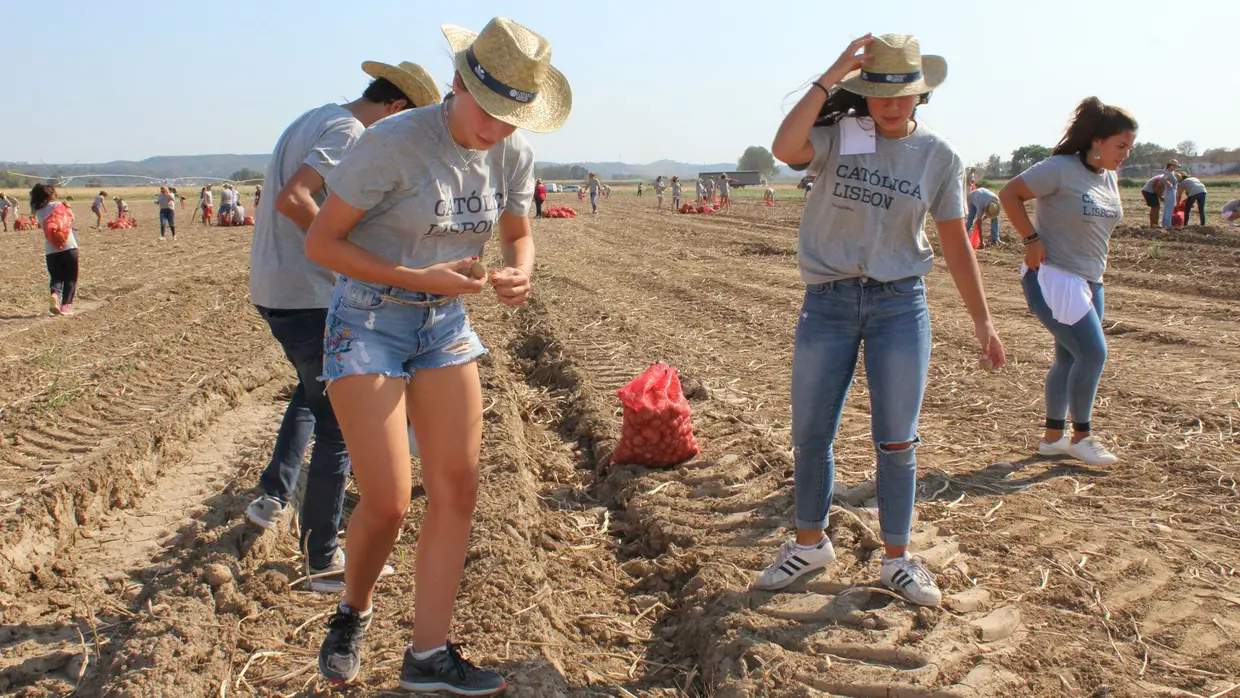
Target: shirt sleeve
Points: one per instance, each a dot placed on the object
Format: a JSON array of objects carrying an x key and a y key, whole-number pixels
[
  {"x": 521, "y": 180},
  {"x": 949, "y": 201},
  {"x": 822, "y": 139},
  {"x": 1043, "y": 178},
  {"x": 332, "y": 144},
  {"x": 370, "y": 170}
]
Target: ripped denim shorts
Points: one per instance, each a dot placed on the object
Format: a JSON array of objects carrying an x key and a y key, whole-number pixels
[{"x": 371, "y": 331}]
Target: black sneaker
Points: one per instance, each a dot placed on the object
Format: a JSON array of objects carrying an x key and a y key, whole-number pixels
[
  {"x": 447, "y": 670},
  {"x": 340, "y": 656}
]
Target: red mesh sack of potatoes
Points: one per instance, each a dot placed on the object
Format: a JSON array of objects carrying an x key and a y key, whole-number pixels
[{"x": 657, "y": 429}]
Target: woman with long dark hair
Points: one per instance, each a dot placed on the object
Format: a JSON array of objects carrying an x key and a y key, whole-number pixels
[
  {"x": 410, "y": 210},
  {"x": 1078, "y": 205},
  {"x": 62, "y": 257},
  {"x": 863, "y": 252}
]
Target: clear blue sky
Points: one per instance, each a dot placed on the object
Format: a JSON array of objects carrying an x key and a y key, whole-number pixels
[{"x": 689, "y": 81}]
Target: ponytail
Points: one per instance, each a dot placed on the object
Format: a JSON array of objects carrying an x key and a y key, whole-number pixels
[{"x": 1093, "y": 120}]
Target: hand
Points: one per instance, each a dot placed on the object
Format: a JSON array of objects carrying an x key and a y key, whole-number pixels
[
  {"x": 992, "y": 356},
  {"x": 446, "y": 279},
  {"x": 512, "y": 286},
  {"x": 848, "y": 61},
  {"x": 1035, "y": 253}
]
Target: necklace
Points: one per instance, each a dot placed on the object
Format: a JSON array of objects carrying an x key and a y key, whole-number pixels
[{"x": 465, "y": 161}]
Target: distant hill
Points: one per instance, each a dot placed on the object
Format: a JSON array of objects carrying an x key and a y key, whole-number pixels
[{"x": 223, "y": 165}]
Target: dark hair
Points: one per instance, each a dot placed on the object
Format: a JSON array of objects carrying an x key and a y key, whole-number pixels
[
  {"x": 1093, "y": 120},
  {"x": 41, "y": 194},
  {"x": 841, "y": 103},
  {"x": 103, "y": 193},
  {"x": 382, "y": 91}
]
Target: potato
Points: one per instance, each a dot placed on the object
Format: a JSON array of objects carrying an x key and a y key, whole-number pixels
[{"x": 478, "y": 270}]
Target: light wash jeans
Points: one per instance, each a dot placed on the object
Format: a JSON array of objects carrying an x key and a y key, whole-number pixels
[
  {"x": 1080, "y": 354},
  {"x": 994, "y": 224},
  {"x": 1168, "y": 211},
  {"x": 893, "y": 322}
]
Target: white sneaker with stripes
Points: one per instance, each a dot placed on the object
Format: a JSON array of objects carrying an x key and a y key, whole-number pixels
[
  {"x": 908, "y": 576},
  {"x": 794, "y": 562}
]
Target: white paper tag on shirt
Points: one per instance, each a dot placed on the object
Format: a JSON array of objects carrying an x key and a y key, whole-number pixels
[{"x": 858, "y": 136}]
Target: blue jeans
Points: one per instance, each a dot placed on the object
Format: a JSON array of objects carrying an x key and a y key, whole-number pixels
[
  {"x": 1080, "y": 354},
  {"x": 1168, "y": 211},
  {"x": 893, "y": 322},
  {"x": 994, "y": 224},
  {"x": 300, "y": 333},
  {"x": 167, "y": 217},
  {"x": 1200, "y": 200},
  {"x": 594, "y": 201}
]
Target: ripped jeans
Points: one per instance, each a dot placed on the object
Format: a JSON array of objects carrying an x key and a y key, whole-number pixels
[{"x": 893, "y": 322}]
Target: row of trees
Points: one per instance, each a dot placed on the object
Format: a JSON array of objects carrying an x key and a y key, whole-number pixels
[{"x": 1143, "y": 154}]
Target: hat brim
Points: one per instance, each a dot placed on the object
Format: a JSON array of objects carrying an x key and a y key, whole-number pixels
[
  {"x": 418, "y": 87},
  {"x": 933, "y": 73},
  {"x": 548, "y": 110}
]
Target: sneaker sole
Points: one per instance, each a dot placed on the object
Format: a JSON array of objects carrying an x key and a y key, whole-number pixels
[
  {"x": 440, "y": 686},
  {"x": 793, "y": 579},
  {"x": 914, "y": 601},
  {"x": 334, "y": 680},
  {"x": 322, "y": 587},
  {"x": 269, "y": 525}
]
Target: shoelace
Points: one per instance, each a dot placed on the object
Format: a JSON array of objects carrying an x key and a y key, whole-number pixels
[
  {"x": 1094, "y": 445},
  {"x": 349, "y": 627},
  {"x": 917, "y": 569},
  {"x": 462, "y": 665}
]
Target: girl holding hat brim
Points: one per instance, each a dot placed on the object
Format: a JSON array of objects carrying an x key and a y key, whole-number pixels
[
  {"x": 863, "y": 251},
  {"x": 1078, "y": 205},
  {"x": 983, "y": 204},
  {"x": 411, "y": 209}
]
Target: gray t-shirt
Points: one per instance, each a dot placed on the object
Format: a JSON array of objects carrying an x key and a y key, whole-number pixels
[
  {"x": 676, "y": 189},
  {"x": 280, "y": 274},
  {"x": 980, "y": 197},
  {"x": 867, "y": 216},
  {"x": 1152, "y": 183},
  {"x": 724, "y": 187},
  {"x": 594, "y": 185},
  {"x": 1193, "y": 186},
  {"x": 1076, "y": 211},
  {"x": 166, "y": 201},
  {"x": 48, "y": 248},
  {"x": 424, "y": 204}
]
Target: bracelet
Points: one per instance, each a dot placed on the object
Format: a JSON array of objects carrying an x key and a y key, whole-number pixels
[
  {"x": 825, "y": 91},
  {"x": 1030, "y": 240}
]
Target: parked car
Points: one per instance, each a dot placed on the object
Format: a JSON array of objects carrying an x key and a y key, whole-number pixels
[
  {"x": 552, "y": 187},
  {"x": 571, "y": 187}
]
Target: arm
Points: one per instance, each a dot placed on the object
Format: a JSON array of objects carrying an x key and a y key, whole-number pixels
[
  {"x": 516, "y": 245},
  {"x": 791, "y": 143},
  {"x": 327, "y": 244},
  {"x": 962, "y": 263},
  {"x": 1012, "y": 197},
  {"x": 295, "y": 200}
]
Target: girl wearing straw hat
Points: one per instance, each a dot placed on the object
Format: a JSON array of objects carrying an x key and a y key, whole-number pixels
[
  {"x": 1078, "y": 205},
  {"x": 411, "y": 209},
  {"x": 863, "y": 251},
  {"x": 983, "y": 204}
]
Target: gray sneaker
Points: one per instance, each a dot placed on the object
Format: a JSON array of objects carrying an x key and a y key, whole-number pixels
[
  {"x": 447, "y": 670},
  {"x": 340, "y": 655},
  {"x": 266, "y": 511},
  {"x": 330, "y": 579}
]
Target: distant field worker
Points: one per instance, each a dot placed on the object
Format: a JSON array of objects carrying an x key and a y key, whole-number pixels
[
  {"x": 540, "y": 196},
  {"x": 701, "y": 191},
  {"x": 206, "y": 204},
  {"x": 1192, "y": 191},
  {"x": 5, "y": 205},
  {"x": 97, "y": 207},
  {"x": 62, "y": 260},
  {"x": 725, "y": 193},
  {"x": 595, "y": 187},
  {"x": 1167, "y": 191},
  {"x": 122, "y": 208},
  {"x": 769, "y": 196},
  {"x": 258, "y": 195},
  {"x": 641, "y": 187},
  {"x": 677, "y": 190},
  {"x": 1231, "y": 212},
  {"x": 1066, "y": 247},
  {"x": 1151, "y": 192},
  {"x": 167, "y": 212},
  {"x": 659, "y": 188},
  {"x": 984, "y": 203}
]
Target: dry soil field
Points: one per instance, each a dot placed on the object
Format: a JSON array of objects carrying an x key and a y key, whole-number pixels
[{"x": 131, "y": 437}]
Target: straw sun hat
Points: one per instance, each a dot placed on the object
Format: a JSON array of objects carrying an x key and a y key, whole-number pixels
[
  {"x": 892, "y": 66},
  {"x": 507, "y": 69},
  {"x": 411, "y": 78},
  {"x": 992, "y": 209}
]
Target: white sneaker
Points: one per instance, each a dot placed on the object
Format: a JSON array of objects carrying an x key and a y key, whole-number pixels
[
  {"x": 266, "y": 511},
  {"x": 1091, "y": 450},
  {"x": 1062, "y": 447},
  {"x": 330, "y": 579},
  {"x": 908, "y": 576},
  {"x": 794, "y": 562}
]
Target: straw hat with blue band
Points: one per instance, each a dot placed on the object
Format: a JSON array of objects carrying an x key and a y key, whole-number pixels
[
  {"x": 892, "y": 66},
  {"x": 410, "y": 78},
  {"x": 507, "y": 69}
]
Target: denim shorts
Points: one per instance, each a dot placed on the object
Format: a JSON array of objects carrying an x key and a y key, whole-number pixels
[{"x": 368, "y": 333}]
